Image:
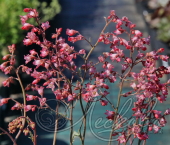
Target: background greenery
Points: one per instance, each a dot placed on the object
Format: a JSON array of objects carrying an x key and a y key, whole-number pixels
[
  {"x": 159, "y": 18},
  {"x": 10, "y": 25}
]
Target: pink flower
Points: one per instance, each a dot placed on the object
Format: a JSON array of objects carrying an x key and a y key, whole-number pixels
[
  {"x": 103, "y": 102},
  {"x": 12, "y": 48},
  {"x": 113, "y": 56},
  {"x": 101, "y": 59},
  {"x": 138, "y": 113},
  {"x": 26, "y": 69},
  {"x": 87, "y": 97},
  {"x": 70, "y": 97},
  {"x": 138, "y": 33},
  {"x": 133, "y": 85},
  {"x": 112, "y": 13},
  {"x": 90, "y": 87},
  {"x": 161, "y": 98},
  {"x": 27, "y": 42},
  {"x": 3, "y": 66},
  {"x": 24, "y": 19},
  {"x": 45, "y": 25},
  {"x": 28, "y": 58},
  {"x": 29, "y": 107},
  {"x": 128, "y": 60},
  {"x": 17, "y": 106},
  {"x": 74, "y": 39},
  {"x": 38, "y": 62},
  {"x": 156, "y": 128},
  {"x": 27, "y": 10},
  {"x": 33, "y": 52},
  {"x": 82, "y": 51},
  {"x": 140, "y": 55},
  {"x": 7, "y": 82},
  {"x": 12, "y": 61},
  {"x": 92, "y": 70},
  {"x": 26, "y": 26},
  {"x": 119, "y": 23},
  {"x": 164, "y": 57},
  {"x": 142, "y": 136},
  {"x": 4, "y": 101},
  {"x": 167, "y": 112},
  {"x": 101, "y": 38},
  {"x": 40, "y": 90},
  {"x": 33, "y": 13},
  {"x": 44, "y": 53},
  {"x": 132, "y": 26},
  {"x": 115, "y": 39},
  {"x": 117, "y": 32},
  {"x": 122, "y": 138},
  {"x": 105, "y": 86},
  {"x": 162, "y": 121},
  {"x": 71, "y": 32},
  {"x": 110, "y": 114},
  {"x": 161, "y": 50},
  {"x": 124, "y": 67},
  {"x": 32, "y": 36},
  {"x": 136, "y": 129},
  {"x": 42, "y": 101},
  {"x": 99, "y": 82},
  {"x": 51, "y": 85},
  {"x": 107, "y": 72},
  {"x": 93, "y": 93},
  {"x": 112, "y": 79},
  {"x": 110, "y": 66},
  {"x": 31, "y": 97},
  {"x": 124, "y": 18},
  {"x": 6, "y": 57},
  {"x": 157, "y": 114},
  {"x": 124, "y": 42},
  {"x": 8, "y": 69},
  {"x": 36, "y": 81}
]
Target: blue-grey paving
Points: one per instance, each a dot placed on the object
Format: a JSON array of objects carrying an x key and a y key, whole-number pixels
[{"x": 86, "y": 16}]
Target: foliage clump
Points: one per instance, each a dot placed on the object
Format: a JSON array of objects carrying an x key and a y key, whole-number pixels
[{"x": 10, "y": 24}]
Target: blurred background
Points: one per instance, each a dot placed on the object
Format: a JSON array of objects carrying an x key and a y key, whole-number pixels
[{"x": 152, "y": 17}]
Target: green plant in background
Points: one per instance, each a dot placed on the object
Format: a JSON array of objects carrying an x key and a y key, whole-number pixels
[
  {"x": 10, "y": 24},
  {"x": 160, "y": 18},
  {"x": 163, "y": 31}
]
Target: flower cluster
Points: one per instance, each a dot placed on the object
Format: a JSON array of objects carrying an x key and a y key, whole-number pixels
[{"x": 57, "y": 56}]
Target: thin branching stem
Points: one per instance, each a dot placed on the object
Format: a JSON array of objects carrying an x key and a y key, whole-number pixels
[
  {"x": 24, "y": 101},
  {"x": 12, "y": 139}
]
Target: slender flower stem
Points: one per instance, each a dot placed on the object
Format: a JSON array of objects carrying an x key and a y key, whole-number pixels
[
  {"x": 107, "y": 23},
  {"x": 35, "y": 137},
  {"x": 56, "y": 119},
  {"x": 86, "y": 59},
  {"x": 12, "y": 139},
  {"x": 71, "y": 123},
  {"x": 35, "y": 133},
  {"x": 24, "y": 101},
  {"x": 56, "y": 126},
  {"x": 118, "y": 103},
  {"x": 144, "y": 142},
  {"x": 84, "y": 113}
]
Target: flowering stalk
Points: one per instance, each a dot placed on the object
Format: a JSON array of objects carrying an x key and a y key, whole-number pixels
[
  {"x": 71, "y": 123},
  {"x": 56, "y": 126},
  {"x": 24, "y": 100},
  {"x": 12, "y": 139}
]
